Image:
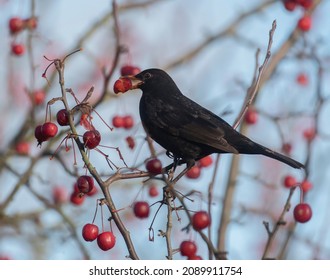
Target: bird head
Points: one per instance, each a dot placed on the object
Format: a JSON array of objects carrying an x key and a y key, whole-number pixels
[{"x": 148, "y": 79}]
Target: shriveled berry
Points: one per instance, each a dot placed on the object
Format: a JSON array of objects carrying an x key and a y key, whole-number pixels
[
  {"x": 90, "y": 232},
  {"x": 106, "y": 240},
  {"x": 201, "y": 220},
  {"x": 302, "y": 212},
  {"x": 141, "y": 209},
  {"x": 130, "y": 142},
  {"x": 31, "y": 23}
]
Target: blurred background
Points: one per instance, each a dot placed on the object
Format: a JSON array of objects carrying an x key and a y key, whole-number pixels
[{"x": 209, "y": 48}]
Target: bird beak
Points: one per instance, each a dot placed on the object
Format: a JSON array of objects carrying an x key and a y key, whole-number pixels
[{"x": 135, "y": 81}]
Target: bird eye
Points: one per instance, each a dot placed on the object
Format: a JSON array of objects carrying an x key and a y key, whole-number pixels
[{"x": 147, "y": 76}]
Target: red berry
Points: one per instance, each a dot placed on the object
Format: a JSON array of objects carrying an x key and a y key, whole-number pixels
[
  {"x": 153, "y": 191},
  {"x": 76, "y": 198},
  {"x": 188, "y": 248},
  {"x": 302, "y": 79},
  {"x": 287, "y": 148},
  {"x": 306, "y": 185},
  {"x": 290, "y": 5},
  {"x": 130, "y": 142},
  {"x": 62, "y": 117},
  {"x": 128, "y": 122},
  {"x": 289, "y": 181},
  {"x": 306, "y": 4},
  {"x": 60, "y": 195},
  {"x": 302, "y": 213},
  {"x": 251, "y": 116},
  {"x": 39, "y": 135},
  {"x": 118, "y": 121},
  {"x": 127, "y": 70},
  {"x": 49, "y": 129},
  {"x": 90, "y": 232},
  {"x": 141, "y": 209},
  {"x": 122, "y": 85},
  {"x": 305, "y": 23},
  {"x": 38, "y": 97},
  {"x": 85, "y": 184},
  {"x": 16, "y": 25},
  {"x": 154, "y": 166},
  {"x": 195, "y": 258},
  {"x": 205, "y": 161},
  {"x": 201, "y": 220},
  {"x": 106, "y": 240},
  {"x": 22, "y": 148},
  {"x": 309, "y": 134},
  {"x": 17, "y": 49},
  {"x": 194, "y": 172},
  {"x": 92, "y": 139}
]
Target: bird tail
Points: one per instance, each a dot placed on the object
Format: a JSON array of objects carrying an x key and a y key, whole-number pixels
[{"x": 259, "y": 149}]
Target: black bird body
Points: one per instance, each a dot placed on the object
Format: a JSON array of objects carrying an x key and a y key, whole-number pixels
[{"x": 184, "y": 128}]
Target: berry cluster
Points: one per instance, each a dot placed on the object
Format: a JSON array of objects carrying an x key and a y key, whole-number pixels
[
  {"x": 17, "y": 25},
  {"x": 105, "y": 240},
  {"x": 305, "y": 22},
  {"x": 84, "y": 185}
]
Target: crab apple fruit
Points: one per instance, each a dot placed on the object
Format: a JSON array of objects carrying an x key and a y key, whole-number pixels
[
  {"x": 251, "y": 116},
  {"x": 201, "y": 220},
  {"x": 106, "y": 240},
  {"x": 49, "y": 129},
  {"x": 306, "y": 185},
  {"x": 22, "y": 148},
  {"x": 90, "y": 232},
  {"x": 305, "y": 23},
  {"x": 289, "y": 181},
  {"x": 77, "y": 199},
  {"x": 290, "y": 5},
  {"x": 205, "y": 161},
  {"x": 154, "y": 166},
  {"x": 188, "y": 248},
  {"x": 128, "y": 122},
  {"x": 194, "y": 172},
  {"x": 85, "y": 184},
  {"x": 122, "y": 85},
  {"x": 92, "y": 139},
  {"x": 118, "y": 121},
  {"x": 38, "y": 134},
  {"x": 302, "y": 213},
  {"x": 38, "y": 97},
  {"x": 309, "y": 134},
  {"x": 302, "y": 79},
  {"x": 287, "y": 148},
  {"x": 153, "y": 191},
  {"x": 17, "y": 49},
  {"x": 16, "y": 25},
  {"x": 130, "y": 142},
  {"x": 306, "y": 4},
  {"x": 60, "y": 194},
  {"x": 62, "y": 117},
  {"x": 141, "y": 209},
  {"x": 127, "y": 70}
]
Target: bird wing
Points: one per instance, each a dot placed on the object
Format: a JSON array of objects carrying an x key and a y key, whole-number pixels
[{"x": 194, "y": 123}]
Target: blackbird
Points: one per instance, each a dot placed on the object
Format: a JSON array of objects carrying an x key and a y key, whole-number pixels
[{"x": 184, "y": 128}]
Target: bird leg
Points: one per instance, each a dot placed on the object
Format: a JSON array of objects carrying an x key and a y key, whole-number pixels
[{"x": 190, "y": 164}]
